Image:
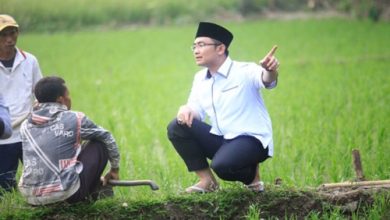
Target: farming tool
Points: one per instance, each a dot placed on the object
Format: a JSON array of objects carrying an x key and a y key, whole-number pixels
[{"x": 150, "y": 183}]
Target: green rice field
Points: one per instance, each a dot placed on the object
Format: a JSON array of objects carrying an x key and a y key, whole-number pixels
[{"x": 332, "y": 96}]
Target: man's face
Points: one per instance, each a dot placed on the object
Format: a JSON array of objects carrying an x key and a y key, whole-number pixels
[
  {"x": 8, "y": 38},
  {"x": 65, "y": 99},
  {"x": 205, "y": 51}
]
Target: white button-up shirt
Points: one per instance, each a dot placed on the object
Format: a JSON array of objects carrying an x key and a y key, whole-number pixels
[
  {"x": 232, "y": 101},
  {"x": 16, "y": 86}
]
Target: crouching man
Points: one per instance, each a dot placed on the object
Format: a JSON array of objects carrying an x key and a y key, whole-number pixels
[{"x": 57, "y": 166}]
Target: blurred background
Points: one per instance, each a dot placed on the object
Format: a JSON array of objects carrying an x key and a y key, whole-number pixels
[{"x": 55, "y": 15}]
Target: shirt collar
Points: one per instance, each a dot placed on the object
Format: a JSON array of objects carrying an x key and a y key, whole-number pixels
[
  {"x": 50, "y": 108},
  {"x": 16, "y": 59},
  {"x": 223, "y": 70},
  {"x": 46, "y": 112},
  {"x": 19, "y": 57}
]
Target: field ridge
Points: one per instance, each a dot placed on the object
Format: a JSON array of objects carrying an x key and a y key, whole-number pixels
[{"x": 276, "y": 202}]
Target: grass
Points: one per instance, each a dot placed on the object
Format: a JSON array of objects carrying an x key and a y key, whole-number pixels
[
  {"x": 332, "y": 97},
  {"x": 52, "y": 15}
]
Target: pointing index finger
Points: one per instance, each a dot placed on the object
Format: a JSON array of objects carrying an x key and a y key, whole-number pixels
[{"x": 272, "y": 51}]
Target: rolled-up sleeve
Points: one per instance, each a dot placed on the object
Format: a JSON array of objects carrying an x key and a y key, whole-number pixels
[{"x": 256, "y": 74}]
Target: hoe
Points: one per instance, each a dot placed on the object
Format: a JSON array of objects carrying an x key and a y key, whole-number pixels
[{"x": 150, "y": 183}]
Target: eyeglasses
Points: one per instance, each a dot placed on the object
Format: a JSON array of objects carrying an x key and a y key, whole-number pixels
[{"x": 201, "y": 45}]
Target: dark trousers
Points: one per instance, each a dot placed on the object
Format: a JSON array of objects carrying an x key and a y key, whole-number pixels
[
  {"x": 10, "y": 155},
  {"x": 232, "y": 160},
  {"x": 94, "y": 157}
]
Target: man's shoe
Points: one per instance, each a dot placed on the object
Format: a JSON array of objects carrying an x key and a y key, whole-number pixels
[
  {"x": 196, "y": 189},
  {"x": 256, "y": 187}
]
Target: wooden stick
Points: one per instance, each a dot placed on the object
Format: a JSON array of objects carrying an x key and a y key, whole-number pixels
[
  {"x": 358, "y": 165},
  {"x": 359, "y": 183}
]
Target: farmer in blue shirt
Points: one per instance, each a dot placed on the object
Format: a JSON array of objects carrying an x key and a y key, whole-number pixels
[{"x": 227, "y": 93}]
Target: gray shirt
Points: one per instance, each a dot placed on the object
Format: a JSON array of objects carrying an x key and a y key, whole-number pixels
[{"x": 51, "y": 139}]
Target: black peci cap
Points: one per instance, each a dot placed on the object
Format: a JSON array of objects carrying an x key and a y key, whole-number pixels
[{"x": 211, "y": 30}]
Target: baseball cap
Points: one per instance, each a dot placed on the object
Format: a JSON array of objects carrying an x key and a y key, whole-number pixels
[{"x": 7, "y": 21}]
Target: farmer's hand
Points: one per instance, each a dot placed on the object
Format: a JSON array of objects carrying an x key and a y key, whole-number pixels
[
  {"x": 269, "y": 62},
  {"x": 112, "y": 174},
  {"x": 185, "y": 115}
]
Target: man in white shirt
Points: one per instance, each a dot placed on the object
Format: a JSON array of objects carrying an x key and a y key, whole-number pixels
[
  {"x": 19, "y": 71},
  {"x": 227, "y": 93}
]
